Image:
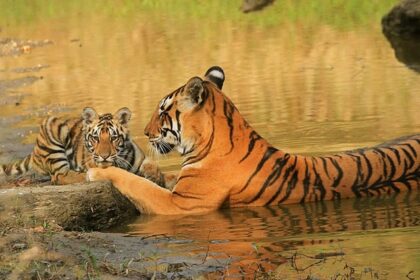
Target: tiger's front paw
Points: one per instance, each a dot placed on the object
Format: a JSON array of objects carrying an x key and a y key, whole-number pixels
[{"x": 95, "y": 174}]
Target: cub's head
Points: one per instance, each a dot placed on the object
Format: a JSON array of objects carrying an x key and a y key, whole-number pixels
[
  {"x": 183, "y": 118},
  {"x": 106, "y": 136}
]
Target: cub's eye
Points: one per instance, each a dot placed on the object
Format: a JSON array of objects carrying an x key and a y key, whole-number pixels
[{"x": 92, "y": 138}]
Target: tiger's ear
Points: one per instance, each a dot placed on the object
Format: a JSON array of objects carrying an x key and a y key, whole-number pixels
[
  {"x": 123, "y": 115},
  {"x": 216, "y": 75},
  {"x": 88, "y": 115},
  {"x": 192, "y": 95}
]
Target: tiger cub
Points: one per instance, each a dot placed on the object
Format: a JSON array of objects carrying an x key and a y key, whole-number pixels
[{"x": 66, "y": 148}]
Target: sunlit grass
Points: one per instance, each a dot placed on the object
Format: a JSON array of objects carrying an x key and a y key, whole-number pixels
[{"x": 337, "y": 13}]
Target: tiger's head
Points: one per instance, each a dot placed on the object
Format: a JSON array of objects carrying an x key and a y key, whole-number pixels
[
  {"x": 106, "y": 136},
  {"x": 184, "y": 117}
]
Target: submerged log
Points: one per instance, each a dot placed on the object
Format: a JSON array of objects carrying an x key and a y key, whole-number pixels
[{"x": 86, "y": 206}]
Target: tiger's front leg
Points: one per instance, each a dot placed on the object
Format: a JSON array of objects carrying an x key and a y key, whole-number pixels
[
  {"x": 147, "y": 196},
  {"x": 151, "y": 198},
  {"x": 70, "y": 177}
]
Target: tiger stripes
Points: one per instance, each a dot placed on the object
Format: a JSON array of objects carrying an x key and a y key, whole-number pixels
[
  {"x": 66, "y": 148},
  {"x": 228, "y": 164}
]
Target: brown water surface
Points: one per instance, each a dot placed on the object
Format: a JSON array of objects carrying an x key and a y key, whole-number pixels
[{"x": 308, "y": 86}]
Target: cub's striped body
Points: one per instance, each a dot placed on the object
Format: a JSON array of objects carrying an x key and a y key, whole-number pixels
[
  {"x": 228, "y": 164},
  {"x": 66, "y": 148}
]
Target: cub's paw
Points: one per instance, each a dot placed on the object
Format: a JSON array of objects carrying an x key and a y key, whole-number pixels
[
  {"x": 170, "y": 180},
  {"x": 95, "y": 174},
  {"x": 150, "y": 170}
]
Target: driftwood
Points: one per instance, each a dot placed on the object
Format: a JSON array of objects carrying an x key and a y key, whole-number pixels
[{"x": 87, "y": 206}]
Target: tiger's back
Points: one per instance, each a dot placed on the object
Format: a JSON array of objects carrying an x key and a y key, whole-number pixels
[{"x": 286, "y": 178}]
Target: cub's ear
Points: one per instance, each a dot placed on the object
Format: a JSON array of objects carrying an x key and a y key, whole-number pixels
[
  {"x": 123, "y": 115},
  {"x": 192, "y": 95},
  {"x": 89, "y": 115},
  {"x": 216, "y": 75}
]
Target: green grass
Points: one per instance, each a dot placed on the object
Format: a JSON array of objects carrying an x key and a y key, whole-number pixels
[{"x": 341, "y": 14}]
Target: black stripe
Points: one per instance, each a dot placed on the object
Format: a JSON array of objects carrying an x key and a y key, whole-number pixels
[
  {"x": 56, "y": 160},
  {"x": 27, "y": 162},
  {"x": 177, "y": 115},
  {"x": 254, "y": 137},
  {"x": 275, "y": 174},
  {"x": 203, "y": 153},
  {"x": 409, "y": 157},
  {"x": 382, "y": 157},
  {"x": 394, "y": 187},
  {"x": 58, "y": 168},
  {"x": 286, "y": 175},
  {"x": 336, "y": 195},
  {"x": 340, "y": 173},
  {"x": 324, "y": 164},
  {"x": 369, "y": 168},
  {"x": 228, "y": 111},
  {"x": 290, "y": 186},
  {"x": 306, "y": 182},
  {"x": 47, "y": 149},
  {"x": 397, "y": 154},
  {"x": 213, "y": 110},
  {"x": 393, "y": 168},
  {"x": 411, "y": 148},
  {"x": 318, "y": 184},
  {"x": 268, "y": 153},
  {"x": 359, "y": 176}
]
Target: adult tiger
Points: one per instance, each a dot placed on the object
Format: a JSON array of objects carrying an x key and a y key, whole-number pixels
[
  {"x": 228, "y": 164},
  {"x": 66, "y": 148}
]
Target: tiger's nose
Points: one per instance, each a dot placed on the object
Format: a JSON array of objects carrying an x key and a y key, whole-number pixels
[
  {"x": 147, "y": 130},
  {"x": 150, "y": 134}
]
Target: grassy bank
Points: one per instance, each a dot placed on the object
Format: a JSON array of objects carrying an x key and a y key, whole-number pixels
[{"x": 341, "y": 14}]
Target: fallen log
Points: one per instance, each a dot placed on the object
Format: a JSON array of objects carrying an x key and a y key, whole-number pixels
[{"x": 85, "y": 206}]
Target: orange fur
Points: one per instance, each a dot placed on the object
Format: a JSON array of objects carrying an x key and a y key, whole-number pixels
[{"x": 227, "y": 164}]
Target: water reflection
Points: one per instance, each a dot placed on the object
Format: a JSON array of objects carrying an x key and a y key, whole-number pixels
[{"x": 255, "y": 238}]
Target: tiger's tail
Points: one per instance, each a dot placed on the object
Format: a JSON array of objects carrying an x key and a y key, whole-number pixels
[{"x": 18, "y": 167}]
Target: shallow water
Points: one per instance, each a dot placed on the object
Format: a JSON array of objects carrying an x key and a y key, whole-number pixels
[
  {"x": 376, "y": 235},
  {"x": 310, "y": 78}
]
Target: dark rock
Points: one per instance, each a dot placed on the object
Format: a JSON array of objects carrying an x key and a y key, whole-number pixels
[
  {"x": 401, "y": 26},
  {"x": 403, "y": 20},
  {"x": 255, "y": 5}
]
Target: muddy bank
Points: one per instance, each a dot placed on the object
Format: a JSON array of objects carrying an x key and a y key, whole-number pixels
[
  {"x": 86, "y": 206},
  {"x": 35, "y": 245},
  {"x": 15, "y": 47},
  {"x": 43, "y": 253}
]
